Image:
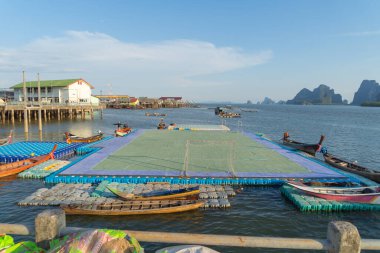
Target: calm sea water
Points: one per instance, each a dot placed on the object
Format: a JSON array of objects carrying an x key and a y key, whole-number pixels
[{"x": 351, "y": 132}]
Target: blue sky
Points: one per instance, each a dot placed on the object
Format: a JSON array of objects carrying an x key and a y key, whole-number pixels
[{"x": 201, "y": 50}]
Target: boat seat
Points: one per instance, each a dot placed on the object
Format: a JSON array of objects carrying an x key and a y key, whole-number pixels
[{"x": 368, "y": 190}]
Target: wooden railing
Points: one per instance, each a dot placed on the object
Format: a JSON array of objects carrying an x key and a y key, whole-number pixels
[{"x": 342, "y": 237}]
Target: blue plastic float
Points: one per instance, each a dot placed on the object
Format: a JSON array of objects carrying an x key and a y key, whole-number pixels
[{"x": 26, "y": 149}]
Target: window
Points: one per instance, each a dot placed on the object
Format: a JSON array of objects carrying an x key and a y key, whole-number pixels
[{"x": 49, "y": 89}]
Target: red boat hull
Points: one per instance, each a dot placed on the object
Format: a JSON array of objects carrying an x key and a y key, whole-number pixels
[
  {"x": 356, "y": 195},
  {"x": 357, "y": 199}
]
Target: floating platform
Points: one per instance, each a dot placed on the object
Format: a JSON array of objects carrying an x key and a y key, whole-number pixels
[
  {"x": 184, "y": 127},
  {"x": 194, "y": 157},
  {"x": 44, "y": 169},
  {"x": 213, "y": 196},
  {"x": 306, "y": 203},
  {"x": 26, "y": 149},
  {"x": 89, "y": 147}
]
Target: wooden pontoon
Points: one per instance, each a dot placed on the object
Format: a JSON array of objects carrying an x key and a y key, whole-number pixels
[
  {"x": 17, "y": 167},
  {"x": 134, "y": 207},
  {"x": 160, "y": 195},
  {"x": 307, "y": 148},
  {"x": 71, "y": 138},
  {"x": 352, "y": 167}
]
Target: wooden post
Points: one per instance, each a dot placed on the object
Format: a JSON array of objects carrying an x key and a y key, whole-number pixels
[
  {"x": 40, "y": 135},
  {"x": 3, "y": 115},
  {"x": 343, "y": 237},
  {"x": 48, "y": 224},
  {"x": 45, "y": 116},
  {"x": 59, "y": 114},
  {"x": 39, "y": 104},
  {"x": 26, "y": 128},
  {"x": 13, "y": 116}
]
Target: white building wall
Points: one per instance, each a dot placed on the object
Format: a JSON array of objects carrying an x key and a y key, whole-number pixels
[
  {"x": 79, "y": 92},
  {"x": 76, "y": 93}
]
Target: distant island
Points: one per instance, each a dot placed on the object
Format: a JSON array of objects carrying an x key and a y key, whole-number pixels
[
  {"x": 368, "y": 94},
  {"x": 266, "y": 101},
  {"x": 322, "y": 95}
]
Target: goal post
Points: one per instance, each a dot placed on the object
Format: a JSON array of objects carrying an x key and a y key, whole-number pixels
[{"x": 211, "y": 155}]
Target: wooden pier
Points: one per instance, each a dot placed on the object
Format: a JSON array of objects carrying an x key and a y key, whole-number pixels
[{"x": 15, "y": 111}]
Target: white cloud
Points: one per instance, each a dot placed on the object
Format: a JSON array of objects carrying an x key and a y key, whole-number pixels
[
  {"x": 360, "y": 34},
  {"x": 132, "y": 68}
]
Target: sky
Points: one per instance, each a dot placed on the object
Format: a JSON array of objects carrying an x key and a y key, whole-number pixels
[{"x": 202, "y": 50}]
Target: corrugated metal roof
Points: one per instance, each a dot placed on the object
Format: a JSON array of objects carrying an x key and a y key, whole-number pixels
[{"x": 50, "y": 83}]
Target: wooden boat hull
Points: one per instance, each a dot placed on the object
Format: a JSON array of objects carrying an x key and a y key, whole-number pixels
[
  {"x": 176, "y": 195},
  {"x": 307, "y": 148},
  {"x": 155, "y": 114},
  {"x": 132, "y": 208},
  {"x": 323, "y": 192},
  {"x": 352, "y": 168},
  {"x": 70, "y": 139},
  {"x": 7, "y": 140},
  {"x": 19, "y": 166},
  {"x": 230, "y": 116},
  {"x": 122, "y": 132}
]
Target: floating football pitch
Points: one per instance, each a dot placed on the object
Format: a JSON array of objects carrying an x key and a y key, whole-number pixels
[{"x": 198, "y": 154}]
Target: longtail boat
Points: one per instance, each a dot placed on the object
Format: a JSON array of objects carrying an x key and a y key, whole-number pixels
[
  {"x": 368, "y": 195},
  {"x": 71, "y": 138},
  {"x": 122, "y": 129},
  {"x": 307, "y": 148},
  {"x": 19, "y": 166},
  {"x": 352, "y": 167},
  {"x": 7, "y": 140},
  {"x": 134, "y": 207},
  {"x": 229, "y": 115},
  {"x": 158, "y": 195},
  {"x": 162, "y": 125},
  {"x": 155, "y": 114}
]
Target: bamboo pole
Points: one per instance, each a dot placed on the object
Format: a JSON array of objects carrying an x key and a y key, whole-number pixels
[
  {"x": 39, "y": 104},
  {"x": 26, "y": 128}
]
